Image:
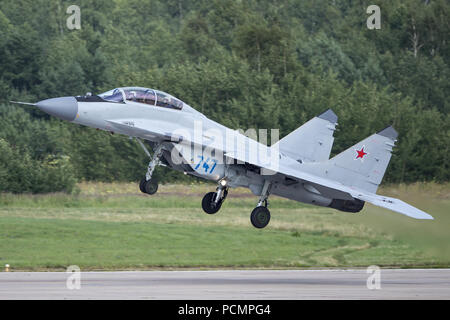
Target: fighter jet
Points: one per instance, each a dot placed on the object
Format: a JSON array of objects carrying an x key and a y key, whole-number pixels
[{"x": 297, "y": 167}]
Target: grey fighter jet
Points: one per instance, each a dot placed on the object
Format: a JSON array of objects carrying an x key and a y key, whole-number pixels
[{"x": 297, "y": 167}]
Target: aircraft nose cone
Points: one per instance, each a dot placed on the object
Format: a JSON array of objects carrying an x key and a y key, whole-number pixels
[{"x": 65, "y": 108}]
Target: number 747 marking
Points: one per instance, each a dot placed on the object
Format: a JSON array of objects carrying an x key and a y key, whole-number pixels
[{"x": 206, "y": 166}]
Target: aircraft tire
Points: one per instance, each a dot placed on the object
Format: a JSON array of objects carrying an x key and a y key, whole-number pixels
[
  {"x": 208, "y": 204},
  {"x": 149, "y": 187},
  {"x": 260, "y": 217},
  {"x": 141, "y": 185}
]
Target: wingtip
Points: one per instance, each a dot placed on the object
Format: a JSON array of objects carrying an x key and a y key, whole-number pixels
[
  {"x": 389, "y": 132},
  {"x": 328, "y": 115}
]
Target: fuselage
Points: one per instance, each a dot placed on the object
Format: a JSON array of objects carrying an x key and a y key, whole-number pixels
[{"x": 192, "y": 143}]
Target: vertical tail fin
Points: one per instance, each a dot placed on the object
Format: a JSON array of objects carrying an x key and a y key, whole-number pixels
[
  {"x": 312, "y": 141},
  {"x": 364, "y": 164}
]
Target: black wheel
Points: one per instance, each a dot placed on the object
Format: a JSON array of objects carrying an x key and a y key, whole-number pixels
[
  {"x": 260, "y": 217},
  {"x": 151, "y": 187},
  {"x": 208, "y": 204},
  {"x": 141, "y": 185},
  {"x": 148, "y": 187}
]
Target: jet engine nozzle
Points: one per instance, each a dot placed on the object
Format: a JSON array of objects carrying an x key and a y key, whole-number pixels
[{"x": 65, "y": 108}]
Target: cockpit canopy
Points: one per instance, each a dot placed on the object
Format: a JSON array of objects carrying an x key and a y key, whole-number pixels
[{"x": 142, "y": 95}]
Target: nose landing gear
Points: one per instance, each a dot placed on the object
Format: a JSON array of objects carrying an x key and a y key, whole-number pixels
[{"x": 147, "y": 184}]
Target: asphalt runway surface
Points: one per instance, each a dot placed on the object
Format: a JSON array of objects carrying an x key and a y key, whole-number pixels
[{"x": 229, "y": 284}]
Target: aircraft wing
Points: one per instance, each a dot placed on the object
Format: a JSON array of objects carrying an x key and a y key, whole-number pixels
[{"x": 333, "y": 189}]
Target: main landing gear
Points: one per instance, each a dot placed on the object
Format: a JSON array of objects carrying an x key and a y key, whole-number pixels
[
  {"x": 260, "y": 216},
  {"x": 212, "y": 201},
  {"x": 149, "y": 187},
  {"x": 147, "y": 184}
]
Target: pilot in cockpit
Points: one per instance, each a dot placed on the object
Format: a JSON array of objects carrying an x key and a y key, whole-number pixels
[{"x": 132, "y": 95}]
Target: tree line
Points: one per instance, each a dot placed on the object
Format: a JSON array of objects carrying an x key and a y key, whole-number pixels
[{"x": 246, "y": 64}]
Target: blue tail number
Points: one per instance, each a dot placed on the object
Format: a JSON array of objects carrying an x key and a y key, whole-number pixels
[{"x": 207, "y": 164}]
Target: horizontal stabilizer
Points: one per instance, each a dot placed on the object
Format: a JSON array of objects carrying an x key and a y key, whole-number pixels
[{"x": 395, "y": 205}]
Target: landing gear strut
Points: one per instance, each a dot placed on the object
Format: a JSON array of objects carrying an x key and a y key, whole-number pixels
[
  {"x": 147, "y": 184},
  {"x": 212, "y": 201},
  {"x": 260, "y": 216}
]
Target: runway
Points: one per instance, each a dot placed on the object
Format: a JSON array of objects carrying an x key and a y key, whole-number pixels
[{"x": 228, "y": 284}]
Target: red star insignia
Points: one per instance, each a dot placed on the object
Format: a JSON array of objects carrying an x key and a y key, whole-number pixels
[{"x": 360, "y": 153}]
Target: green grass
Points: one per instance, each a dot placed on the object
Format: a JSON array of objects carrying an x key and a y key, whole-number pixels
[{"x": 113, "y": 226}]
